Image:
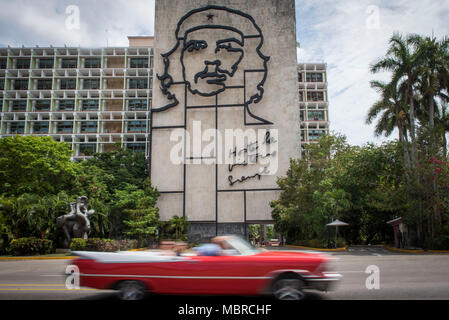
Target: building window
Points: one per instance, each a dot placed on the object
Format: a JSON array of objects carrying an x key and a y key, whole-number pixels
[
  {"x": 141, "y": 83},
  {"x": 44, "y": 84},
  {"x": 69, "y": 63},
  {"x": 19, "y": 105},
  {"x": 46, "y": 63},
  {"x": 22, "y": 63},
  {"x": 67, "y": 84},
  {"x": 90, "y": 105},
  {"x": 87, "y": 148},
  {"x": 66, "y": 105},
  {"x": 315, "y": 96},
  {"x": 89, "y": 126},
  {"x": 65, "y": 127},
  {"x": 17, "y": 127},
  {"x": 139, "y": 63},
  {"x": 91, "y": 84},
  {"x": 21, "y": 84},
  {"x": 40, "y": 127},
  {"x": 2, "y": 84},
  {"x": 3, "y": 63},
  {"x": 42, "y": 105},
  {"x": 300, "y": 77},
  {"x": 137, "y": 126},
  {"x": 316, "y": 134},
  {"x": 137, "y": 104},
  {"x": 315, "y": 115},
  {"x": 136, "y": 147},
  {"x": 314, "y": 77},
  {"x": 92, "y": 63}
]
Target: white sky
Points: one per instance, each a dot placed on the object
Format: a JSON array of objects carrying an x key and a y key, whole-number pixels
[{"x": 348, "y": 35}]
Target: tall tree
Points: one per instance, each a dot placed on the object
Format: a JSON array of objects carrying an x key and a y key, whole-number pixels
[
  {"x": 403, "y": 62},
  {"x": 34, "y": 165}
]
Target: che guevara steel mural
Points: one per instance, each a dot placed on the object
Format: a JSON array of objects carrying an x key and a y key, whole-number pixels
[
  {"x": 209, "y": 50},
  {"x": 222, "y": 49}
]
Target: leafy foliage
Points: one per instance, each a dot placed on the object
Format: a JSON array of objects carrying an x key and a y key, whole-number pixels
[
  {"x": 362, "y": 186},
  {"x": 37, "y": 165},
  {"x": 414, "y": 102},
  {"x": 30, "y": 246},
  {"x": 38, "y": 181},
  {"x": 142, "y": 221}
]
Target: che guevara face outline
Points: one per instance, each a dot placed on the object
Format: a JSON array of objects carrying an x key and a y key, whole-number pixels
[
  {"x": 219, "y": 50},
  {"x": 211, "y": 83}
]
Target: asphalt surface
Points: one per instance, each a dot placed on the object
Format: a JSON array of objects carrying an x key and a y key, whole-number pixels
[{"x": 401, "y": 276}]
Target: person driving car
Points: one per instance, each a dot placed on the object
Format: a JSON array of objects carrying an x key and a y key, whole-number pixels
[{"x": 227, "y": 250}]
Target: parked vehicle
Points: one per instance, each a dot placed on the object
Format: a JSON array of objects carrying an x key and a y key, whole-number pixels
[
  {"x": 273, "y": 242},
  {"x": 238, "y": 269}
]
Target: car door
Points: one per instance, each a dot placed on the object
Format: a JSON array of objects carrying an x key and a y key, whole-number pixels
[{"x": 218, "y": 275}]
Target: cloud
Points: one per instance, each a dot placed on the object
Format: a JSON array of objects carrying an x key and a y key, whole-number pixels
[
  {"x": 101, "y": 22},
  {"x": 349, "y": 35}
]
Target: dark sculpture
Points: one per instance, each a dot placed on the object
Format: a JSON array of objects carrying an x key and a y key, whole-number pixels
[{"x": 76, "y": 223}]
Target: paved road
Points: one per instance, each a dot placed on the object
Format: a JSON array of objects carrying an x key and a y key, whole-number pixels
[{"x": 402, "y": 276}]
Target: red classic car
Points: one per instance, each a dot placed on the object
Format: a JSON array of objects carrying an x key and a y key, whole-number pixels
[{"x": 239, "y": 269}]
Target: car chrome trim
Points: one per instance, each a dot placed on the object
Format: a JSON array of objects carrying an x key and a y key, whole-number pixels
[
  {"x": 303, "y": 273},
  {"x": 327, "y": 276},
  {"x": 171, "y": 277}
]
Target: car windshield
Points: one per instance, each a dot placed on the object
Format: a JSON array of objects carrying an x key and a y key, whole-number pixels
[{"x": 241, "y": 246}]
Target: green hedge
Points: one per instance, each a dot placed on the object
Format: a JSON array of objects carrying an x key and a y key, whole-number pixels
[
  {"x": 30, "y": 246},
  {"x": 320, "y": 243},
  {"x": 103, "y": 245},
  {"x": 440, "y": 242},
  {"x": 78, "y": 244}
]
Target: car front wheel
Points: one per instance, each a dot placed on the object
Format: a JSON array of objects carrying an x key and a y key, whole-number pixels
[
  {"x": 131, "y": 290},
  {"x": 288, "y": 289}
]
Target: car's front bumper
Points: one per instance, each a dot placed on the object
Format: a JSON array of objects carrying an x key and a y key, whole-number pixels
[{"x": 325, "y": 282}]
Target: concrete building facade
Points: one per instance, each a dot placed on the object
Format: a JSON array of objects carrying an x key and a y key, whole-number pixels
[
  {"x": 91, "y": 98},
  {"x": 313, "y": 102},
  {"x": 95, "y": 98},
  {"x": 222, "y": 65}
]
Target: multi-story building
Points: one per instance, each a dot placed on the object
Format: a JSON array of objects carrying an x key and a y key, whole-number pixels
[
  {"x": 313, "y": 102},
  {"x": 91, "y": 98},
  {"x": 94, "y": 98}
]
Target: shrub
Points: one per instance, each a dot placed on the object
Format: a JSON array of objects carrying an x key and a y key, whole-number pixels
[
  {"x": 103, "y": 245},
  {"x": 441, "y": 242},
  {"x": 313, "y": 243},
  {"x": 30, "y": 246},
  {"x": 321, "y": 243},
  {"x": 78, "y": 244},
  {"x": 126, "y": 244}
]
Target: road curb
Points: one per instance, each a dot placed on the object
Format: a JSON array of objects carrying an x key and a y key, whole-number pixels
[
  {"x": 37, "y": 258},
  {"x": 317, "y": 249},
  {"x": 51, "y": 258},
  {"x": 141, "y": 249},
  {"x": 403, "y": 250},
  {"x": 438, "y": 251}
]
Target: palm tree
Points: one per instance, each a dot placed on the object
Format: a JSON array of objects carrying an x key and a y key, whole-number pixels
[
  {"x": 178, "y": 225},
  {"x": 403, "y": 61},
  {"x": 433, "y": 85},
  {"x": 443, "y": 127},
  {"x": 433, "y": 73},
  {"x": 391, "y": 110}
]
